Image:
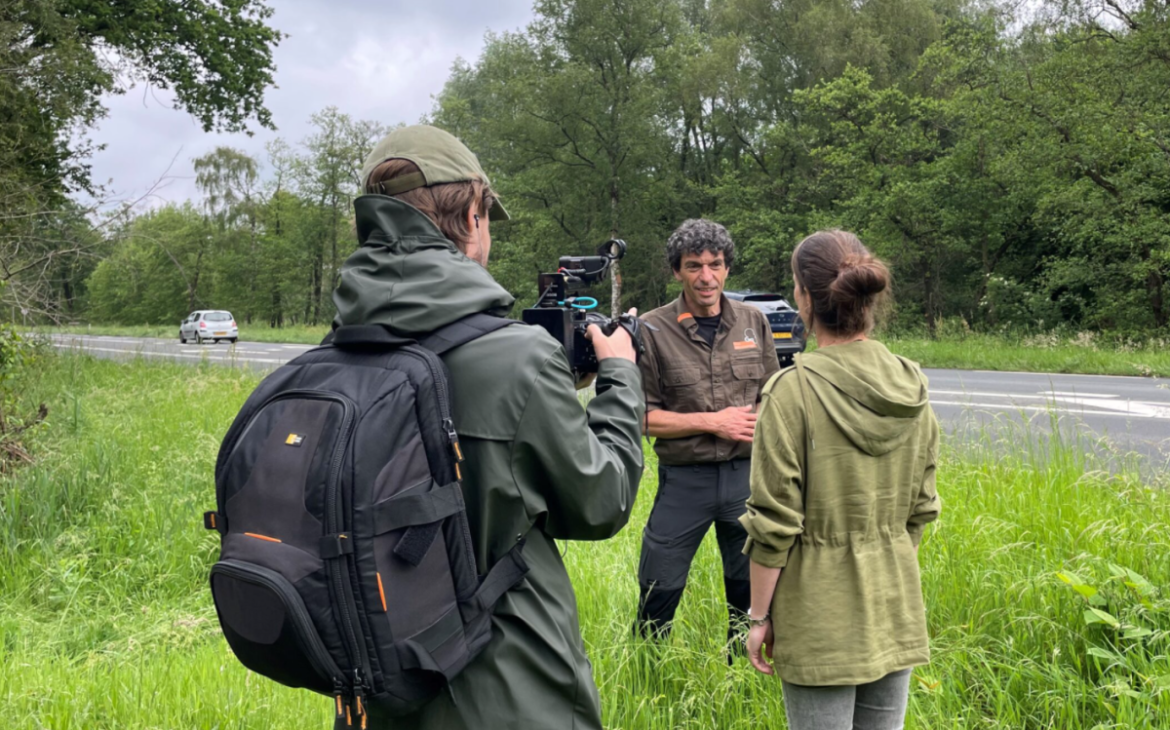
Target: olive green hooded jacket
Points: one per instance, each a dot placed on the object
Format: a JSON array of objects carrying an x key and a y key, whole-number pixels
[
  {"x": 538, "y": 465},
  {"x": 842, "y": 485}
]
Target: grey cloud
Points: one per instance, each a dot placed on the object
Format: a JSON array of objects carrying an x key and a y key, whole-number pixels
[{"x": 382, "y": 61}]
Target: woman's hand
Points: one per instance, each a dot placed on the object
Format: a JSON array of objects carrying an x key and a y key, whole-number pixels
[{"x": 760, "y": 637}]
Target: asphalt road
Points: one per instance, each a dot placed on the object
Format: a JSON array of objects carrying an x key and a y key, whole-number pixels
[{"x": 1113, "y": 415}]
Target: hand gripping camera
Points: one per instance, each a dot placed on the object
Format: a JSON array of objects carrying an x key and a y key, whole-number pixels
[{"x": 566, "y": 315}]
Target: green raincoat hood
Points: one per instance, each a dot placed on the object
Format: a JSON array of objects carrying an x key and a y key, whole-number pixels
[
  {"x": 872, "y": 395},
  {"x": 407, "y": 276}
]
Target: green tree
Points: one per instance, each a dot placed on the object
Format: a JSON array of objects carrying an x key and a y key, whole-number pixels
[
  {"x": 327, "y": 175},
  {"x": 229, "y": 180},
  {"x": 59, "y": 57},
  {"x": 572, "y": 114},
  {"x": 1081, "y": 98},
  {"x": 153, "y": 274}
]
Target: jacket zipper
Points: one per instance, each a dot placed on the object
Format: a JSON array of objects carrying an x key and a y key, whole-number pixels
[
  {"x": 335, "y": 522},
  {"x": 435, "y": 364}
]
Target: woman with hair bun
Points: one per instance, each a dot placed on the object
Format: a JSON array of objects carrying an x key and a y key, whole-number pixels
[{"x": 842, "y": 486}]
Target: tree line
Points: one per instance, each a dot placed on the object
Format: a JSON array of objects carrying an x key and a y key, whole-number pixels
[
  {"x": 1010, "y": 161},
  {"x": 270, "y": 250}
]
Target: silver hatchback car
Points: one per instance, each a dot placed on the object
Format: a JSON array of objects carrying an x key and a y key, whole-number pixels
[{"x": 208, "y": 324}]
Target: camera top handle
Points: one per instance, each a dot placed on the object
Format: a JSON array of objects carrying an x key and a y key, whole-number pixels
[{"x": 577, "y": 272}]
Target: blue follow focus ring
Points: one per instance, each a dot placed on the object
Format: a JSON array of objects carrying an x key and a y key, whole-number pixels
[{"x": 578, "y": 303}]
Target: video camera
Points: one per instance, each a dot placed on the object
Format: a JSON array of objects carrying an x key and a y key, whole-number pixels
[{"x": 566, "y": 316}]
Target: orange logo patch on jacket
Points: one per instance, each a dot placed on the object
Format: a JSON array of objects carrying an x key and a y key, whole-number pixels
[{"x": 746, "y": 345}]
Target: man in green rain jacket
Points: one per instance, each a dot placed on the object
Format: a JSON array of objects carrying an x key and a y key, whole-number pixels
[{"x": 538, "y": 465}]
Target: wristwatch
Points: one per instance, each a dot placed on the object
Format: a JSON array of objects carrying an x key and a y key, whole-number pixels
[{"x": 754, "y": 622}]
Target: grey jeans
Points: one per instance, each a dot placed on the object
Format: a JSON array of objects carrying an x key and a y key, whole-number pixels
[{"x": 879, "y": 705}]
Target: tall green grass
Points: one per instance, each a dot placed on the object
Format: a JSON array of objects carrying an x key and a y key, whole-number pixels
[
  {"x": 1039, "y": 354},
  {"x": 106, "y": 621}
]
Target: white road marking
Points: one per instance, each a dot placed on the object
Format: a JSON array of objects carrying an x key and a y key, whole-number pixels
[
  {"x": 150, "y": 353},
  {"x": 982, "y": 394},
  {"x": 1040, "y": 395},
  {"x": 1159, "y": 414},
  {"x": 1108, "y": 402},
  {"x": 1026, "y": 375},
  {"x": 1146, "y": 410},
  {"x": 101, "y": 338}
]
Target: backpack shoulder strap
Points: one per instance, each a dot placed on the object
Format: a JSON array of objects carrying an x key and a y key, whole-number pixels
[{"x": 462, "y": 331}]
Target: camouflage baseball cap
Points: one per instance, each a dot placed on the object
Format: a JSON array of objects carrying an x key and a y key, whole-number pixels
[{"x": 441, "y": 158}]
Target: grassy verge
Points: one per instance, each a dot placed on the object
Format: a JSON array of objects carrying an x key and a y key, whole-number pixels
[
  {"x": 106, "y": 621},
  {"x": 1037, "y": 355}
]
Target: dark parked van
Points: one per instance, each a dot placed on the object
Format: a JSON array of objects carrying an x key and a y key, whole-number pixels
[{"x": 787, "y": 329}]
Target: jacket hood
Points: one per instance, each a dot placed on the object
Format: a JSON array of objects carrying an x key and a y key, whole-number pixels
[
  {"x": 408, "y": 276},
  {"x": 872, "y": 395}
]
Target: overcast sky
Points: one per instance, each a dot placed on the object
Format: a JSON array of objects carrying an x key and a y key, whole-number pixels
[{"x": 372, "y": 60}]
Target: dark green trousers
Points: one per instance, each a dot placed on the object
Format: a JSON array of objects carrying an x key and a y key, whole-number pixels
[{"x": 690, "y": 499}]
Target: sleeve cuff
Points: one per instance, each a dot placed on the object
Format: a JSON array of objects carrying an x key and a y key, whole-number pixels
[
  {"x": 617, "y": 371},
  {"x": 767, "y": 555},
  {"x": 610, "y": 366}
]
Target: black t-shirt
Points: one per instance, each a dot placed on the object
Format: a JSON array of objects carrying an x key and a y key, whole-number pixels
[{"x": 708, "y": 326}]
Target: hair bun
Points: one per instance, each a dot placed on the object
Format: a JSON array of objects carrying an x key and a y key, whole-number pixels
[
  {"x": 859, "y": 278},
  {"x": 843, "y": 280}
]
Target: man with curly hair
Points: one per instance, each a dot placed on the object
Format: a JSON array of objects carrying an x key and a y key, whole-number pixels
[{"x": 706, "y": 360}]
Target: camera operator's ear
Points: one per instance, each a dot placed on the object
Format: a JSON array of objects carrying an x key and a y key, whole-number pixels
[
  {"x": 472, "y": 222},
  {"x": 477, "y": 242}
]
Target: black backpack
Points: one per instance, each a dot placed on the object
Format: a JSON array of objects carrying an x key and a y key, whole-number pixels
[{"x": 346, "y": 563}]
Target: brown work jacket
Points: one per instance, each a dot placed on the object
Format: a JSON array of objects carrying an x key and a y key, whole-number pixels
[{"x": 681, "y": 373}]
